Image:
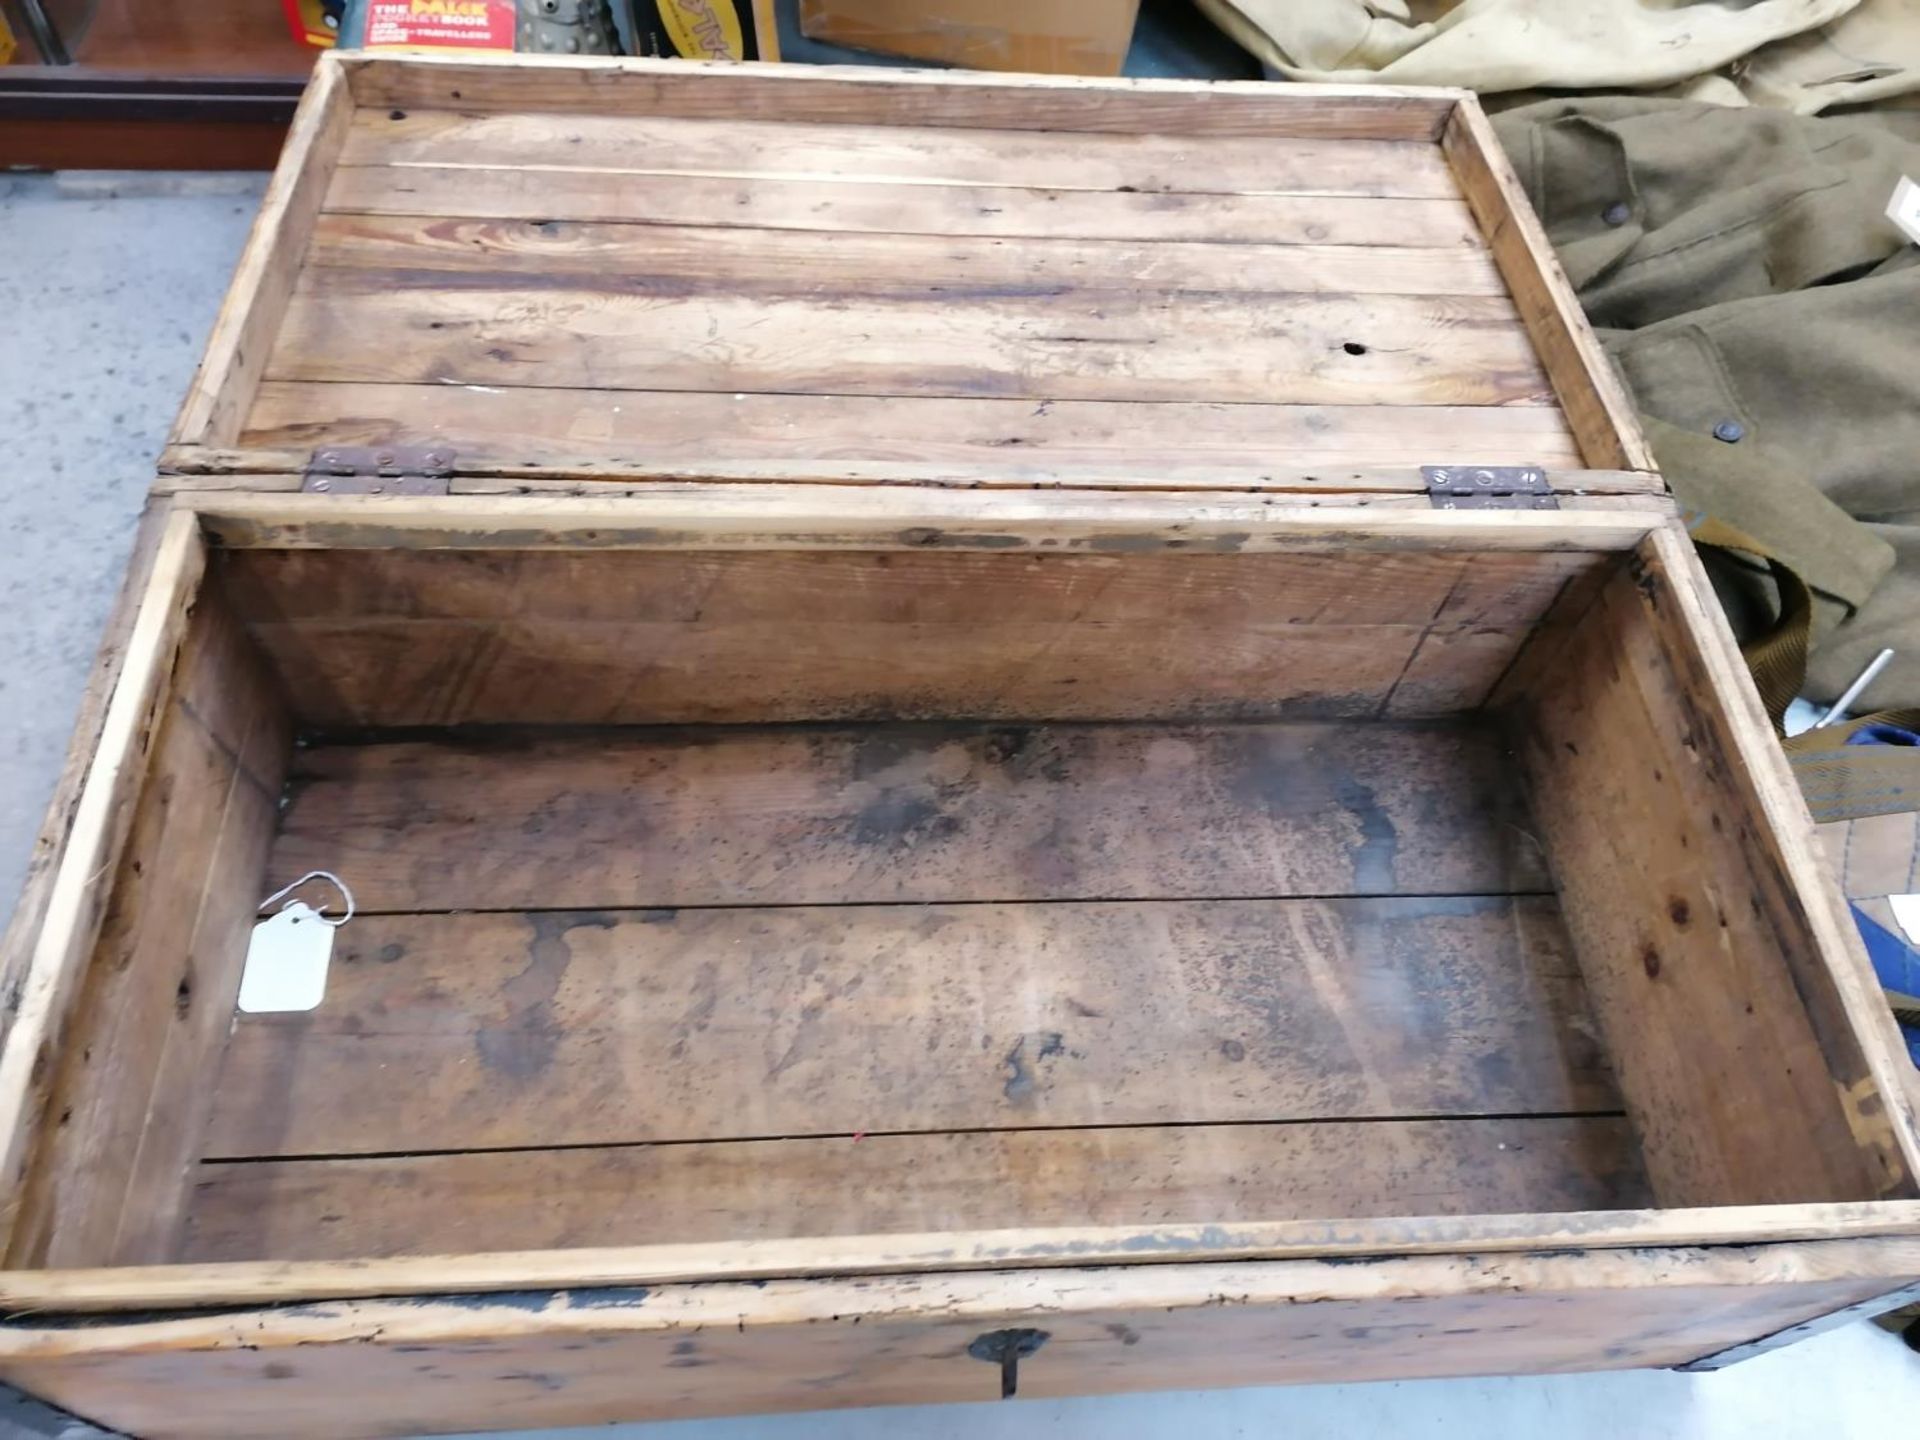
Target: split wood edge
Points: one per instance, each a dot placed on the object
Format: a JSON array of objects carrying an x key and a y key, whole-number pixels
[
  {"x": 1590, "y": 392},
  {"x": 83, "y": 882},
  {"x": 270, "y": 1282}
]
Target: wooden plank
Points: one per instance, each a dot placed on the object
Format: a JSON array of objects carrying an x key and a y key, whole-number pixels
[
  {"x": 1845, "y": 1005},
  {"x": 898, "y": 517},
  {"x": 29, "y": 907},
  {"x": 134, "y": 1082},
  {"x": 463, "y": 1032},
  {"x": 1441, "y": 350},
  {"x": 1748, "y": 1076},
  {"x": 414, "y": 1205},
  {"x": 736, "y": 147},
  {"x": 250, "y": 317},
  {"x": 899, "y": 208},
  {"x": 359, "y": 673},
  {"x": 1590, "y": 391},
  {"x": 77, "y": 899},
  {"x": 670, "y": 260},
  {"x": 863, "y": 95},
  {"x": 909, "y": 815},
  {"x": 191, "y": 471},
  {"x": 369, "y": 1368},
  {"x": 439, "y": 638},
  {"x": 1885, "y": 1226},
  {"x": 1215, "y": 592},
  {"x": 878, "y": 439}
]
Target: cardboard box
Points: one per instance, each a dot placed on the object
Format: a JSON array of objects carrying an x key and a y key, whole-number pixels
[{"x": 1065, "y": 37}]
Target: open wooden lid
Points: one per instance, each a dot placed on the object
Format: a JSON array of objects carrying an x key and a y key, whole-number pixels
[{"x": 527, "y": 271}]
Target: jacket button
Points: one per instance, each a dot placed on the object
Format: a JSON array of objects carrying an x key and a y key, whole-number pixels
[
  {"x": 1729, "y": 431},
  {"x": 1617, "y": 213}
]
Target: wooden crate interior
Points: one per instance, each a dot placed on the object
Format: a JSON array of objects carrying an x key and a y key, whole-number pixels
[{"x": 727, "y": 895}]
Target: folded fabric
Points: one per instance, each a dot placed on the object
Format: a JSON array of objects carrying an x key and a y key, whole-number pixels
[
  {"x": 1742, "y": 274},
  {"x": 1802, "y": 55}
]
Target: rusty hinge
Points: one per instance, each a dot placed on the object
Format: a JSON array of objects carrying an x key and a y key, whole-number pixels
[
  {"x": 1489, "y": 487},
  {"x": 379, "y": 470}
]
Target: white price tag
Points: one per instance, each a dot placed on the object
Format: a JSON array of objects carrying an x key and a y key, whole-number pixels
[
  {"x": 1904, "y": 209},
  {"x": 1906, "y": 910},
  {"x": 287, "y": 962}
]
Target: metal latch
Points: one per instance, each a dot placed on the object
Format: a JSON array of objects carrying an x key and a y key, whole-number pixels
[
  {"x": 1489, "y": 487},
  {"x": 379, "y": 470},
  {"x": 1007, "y": 1348}
]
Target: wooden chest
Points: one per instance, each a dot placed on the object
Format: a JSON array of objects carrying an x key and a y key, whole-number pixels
[{"x": 940, "y": 790}]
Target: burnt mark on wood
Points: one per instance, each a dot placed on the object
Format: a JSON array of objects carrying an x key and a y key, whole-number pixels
[{"x": 524, "y": 1046}]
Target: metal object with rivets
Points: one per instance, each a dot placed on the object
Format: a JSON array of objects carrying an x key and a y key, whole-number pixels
[
  {"x": 566, "y": 27},
  {"x": 1489, "y": 487},
  {"x": 379, "y": 470}
]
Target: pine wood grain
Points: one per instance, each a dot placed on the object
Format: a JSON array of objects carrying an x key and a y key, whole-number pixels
[
  {"x": 909, "y": 814},
  {"x": 583, "y": 1356},
  {"x": 1438, "y": 350},
  {"x": 884, "y": 207},
  {"x": 877, "y": 439},
  {"x": 1204, "y": 593},
  {"x": 744, "y": 145},
  {"x": 1591, "y": 393},
  {"x": 669, "y": 260},
  {"x": 446, "y": 1033},
  {"x": 54, "y": 979},
  {"x": 134, "y": 1087},
  {"x": 243, "y": 333},
  {"x": 868, "y": 95},
  {"x": 526, "y": 1200},
  {"x": 1711, "y": 979},
  {"x": 366, "y": 638}
]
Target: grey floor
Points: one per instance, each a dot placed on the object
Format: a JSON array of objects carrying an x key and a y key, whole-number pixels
[{"x": 107, "y": 288}]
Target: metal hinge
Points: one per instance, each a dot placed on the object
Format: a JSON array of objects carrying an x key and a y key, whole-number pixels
[
  {"x": 379, "y": 470},
  {"x": 1489, "y": 487}
]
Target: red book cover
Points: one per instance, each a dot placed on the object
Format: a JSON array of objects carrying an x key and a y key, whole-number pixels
[{"x": 440, "y": 25}]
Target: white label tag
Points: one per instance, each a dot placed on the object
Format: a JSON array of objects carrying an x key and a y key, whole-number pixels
[
  {"x": 1906, "y": 910},
  {"x": 1904, "y": 209},
  {"x": 287, "y": 962}
]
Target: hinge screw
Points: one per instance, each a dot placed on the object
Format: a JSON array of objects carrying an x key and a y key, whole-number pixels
[{"x": 323, "y": 484}]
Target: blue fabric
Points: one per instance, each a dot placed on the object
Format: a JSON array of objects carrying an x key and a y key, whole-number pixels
[
  {"x": 1897, "y": 964},
  {"x": 1883, "y": 735}
]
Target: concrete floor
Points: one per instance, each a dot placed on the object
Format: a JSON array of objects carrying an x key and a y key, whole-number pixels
[{"x": 107, "y": 288}]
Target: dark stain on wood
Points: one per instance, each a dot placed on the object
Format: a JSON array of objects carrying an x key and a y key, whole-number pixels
[
  {"x": 524, "y": 1046},
  {"x": 1379, "y": 844}
]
